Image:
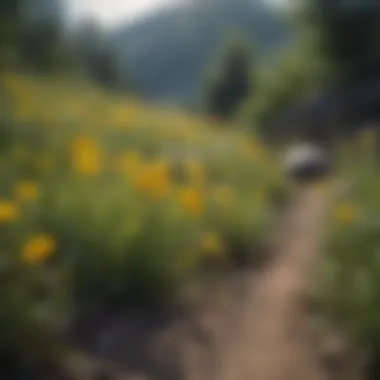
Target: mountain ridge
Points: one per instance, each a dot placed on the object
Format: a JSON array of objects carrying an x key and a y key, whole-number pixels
[{"x": 167, "y": 52}]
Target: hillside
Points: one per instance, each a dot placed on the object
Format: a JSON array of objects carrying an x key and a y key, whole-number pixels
[{"x": 167, "y": 52}]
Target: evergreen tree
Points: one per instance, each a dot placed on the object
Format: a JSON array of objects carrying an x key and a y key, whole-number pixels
[
  {"x": 349, "y": 40},
  {"x": 42, "y": 46},
  {"x": 88, "y": 39},
  {"x": 10, "y": 21},
  {"x": 97, "y": 56},
  {"x": 232, "y": 83},
  {"x": 349, "y": 36},
  {"x": 31, "y": 34},
  {"x": 106, "y": 68}
]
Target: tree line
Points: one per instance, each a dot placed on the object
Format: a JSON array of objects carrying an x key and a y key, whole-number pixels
[
  {"x": 43, "y": 44},
  {"x": 322, "y": 85}
]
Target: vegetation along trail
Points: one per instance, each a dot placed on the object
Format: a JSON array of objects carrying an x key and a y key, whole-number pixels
[
  {"x": 252, "y": 325},
  {"x": 265, "y": 334}
]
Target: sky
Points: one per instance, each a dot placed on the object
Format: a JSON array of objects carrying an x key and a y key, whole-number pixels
[{"x": 112, "y": 12}]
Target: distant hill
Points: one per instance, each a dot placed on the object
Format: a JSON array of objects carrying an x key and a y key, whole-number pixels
[{"x": 166, "y": 53}]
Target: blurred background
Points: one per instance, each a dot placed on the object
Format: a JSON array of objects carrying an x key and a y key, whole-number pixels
[{"x": 141, "y": 146}]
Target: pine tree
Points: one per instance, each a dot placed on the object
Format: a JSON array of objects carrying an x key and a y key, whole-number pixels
[
  {"x": 232, "y": 82},
  {"x": 106, "y": 69},
  {"x": 98, "y": 58},
  {"x": 42, "y": 45}
]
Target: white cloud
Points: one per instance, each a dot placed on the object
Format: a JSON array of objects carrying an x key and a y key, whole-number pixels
[{"x": 111, "y": 12}]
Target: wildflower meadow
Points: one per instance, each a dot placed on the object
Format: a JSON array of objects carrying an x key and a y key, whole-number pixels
[{"x": 103, "y": 198}]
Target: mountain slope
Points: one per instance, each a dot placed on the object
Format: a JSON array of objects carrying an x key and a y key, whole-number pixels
[{"x": 167, "y": 53}]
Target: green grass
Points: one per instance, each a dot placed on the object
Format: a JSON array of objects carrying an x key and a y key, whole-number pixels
[
  {"x": 349, "y": 277},
  {"x": 103, "y": 198}
]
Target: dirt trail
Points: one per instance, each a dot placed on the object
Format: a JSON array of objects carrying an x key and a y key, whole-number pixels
[
  {"x": 264, "y": 335},
  {"x": 254, "y": 326}
]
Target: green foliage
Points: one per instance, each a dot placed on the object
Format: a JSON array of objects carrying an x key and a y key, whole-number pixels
[
  {"x": 39, "y": 44},
  {"x": 91, "y": 212},
  {"x": 232, "y": 80},
  {"x": 35, "y": 306},
  {"x": 336, "y": 48},
  {"x": 97, "y": 57},
  {"x": 349, "y": 37},
  {"x": 32, "y": 43},
  {"x": 348, "y": 278},
  {"x": 285, "y": 84},
  {"x": 9, "y": 27},
  {"x": 105, "y": 68},
  {"x": 42, "y": 46}
]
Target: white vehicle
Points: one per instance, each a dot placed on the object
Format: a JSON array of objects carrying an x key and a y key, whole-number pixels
[{"x": 306, "y": 161}]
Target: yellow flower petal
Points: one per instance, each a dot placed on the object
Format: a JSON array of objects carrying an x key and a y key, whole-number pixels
[
  {"x": 9, "y": 211},
  {"x": 211, "y": 243},
  {"x": 38, "y": 249},
  {"x": 26, "y": 191},
  {"x": 192, "y": 200},
  {"x": 345, "y": 213}
]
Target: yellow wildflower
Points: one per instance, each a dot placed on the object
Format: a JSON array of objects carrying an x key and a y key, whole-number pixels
[
  {"x": 345, "y": 213},
  {"x": 26, "y": 190},
  {"x": 86, "y": 156},
  {"x": 211, "y": 243},
  {"x": 38, "y": 249},
  {"x": 192, "y": 200},
  {"x": 160, "y": 174},
  {"x": 9, "y": 211},
  {"x": 153, "y": 179}
]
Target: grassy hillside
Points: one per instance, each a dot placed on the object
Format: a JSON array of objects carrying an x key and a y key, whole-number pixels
[
  {"x": 105, "y": 199},
  {"x": 167, "y": 53}
]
